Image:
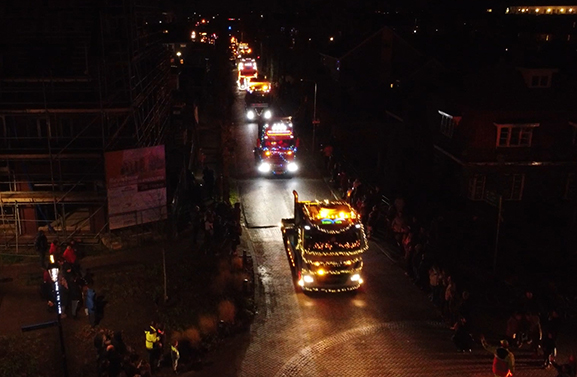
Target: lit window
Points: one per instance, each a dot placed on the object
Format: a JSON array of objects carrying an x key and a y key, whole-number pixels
[
  {"x": 515, "y": 135},
  {"x": 477, "y": 187},
  {"x": 515, "y": 186},
  {"x": 447, "y": 124}
]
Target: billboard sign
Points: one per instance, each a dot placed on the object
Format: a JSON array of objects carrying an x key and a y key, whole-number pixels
[{"x": 136, "y": 184}]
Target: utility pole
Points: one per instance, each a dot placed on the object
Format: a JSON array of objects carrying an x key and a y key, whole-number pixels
[{"x": 314, "y": 117}]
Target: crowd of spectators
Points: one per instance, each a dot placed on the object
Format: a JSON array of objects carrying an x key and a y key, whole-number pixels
[{"x": 535, "y": 320}]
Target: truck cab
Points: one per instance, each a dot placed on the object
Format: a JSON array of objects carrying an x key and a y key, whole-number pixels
[
  {"x": 325, "y": 241},
  {"x": 276, "y": 147}
]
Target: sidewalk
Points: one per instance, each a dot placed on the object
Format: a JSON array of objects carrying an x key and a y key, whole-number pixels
[{"x": 487, "y": 318}]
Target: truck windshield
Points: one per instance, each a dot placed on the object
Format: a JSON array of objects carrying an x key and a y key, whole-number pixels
[
  {"x": 348, "y": 240},
  {"x": 257, "y": 98}
]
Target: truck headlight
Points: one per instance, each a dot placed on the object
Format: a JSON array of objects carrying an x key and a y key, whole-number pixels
[
  {"x": 292, "y": 167},
  {"x": 267, "y": 114},
  {"x": 308, "y": 279},
  {"x": 356, "y": 277},
  {"x": 250, "y": 115},
  {"x": 264, "y": 167}
]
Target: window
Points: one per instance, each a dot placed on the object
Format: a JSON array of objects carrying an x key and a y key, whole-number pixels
[
  {"x": 538, "y": 77},
  {"x": 515, "y": 184},
  {"x": 515, "y": 135},
  {"x": 448, "y": 123},
  {"x": 477, "y": 187},
  {"x": 540, "y": 81},
  {"x": 570, "y": 189}
]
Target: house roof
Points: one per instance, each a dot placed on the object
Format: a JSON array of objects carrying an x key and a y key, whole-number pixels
[{"x": 503, "y": 88}]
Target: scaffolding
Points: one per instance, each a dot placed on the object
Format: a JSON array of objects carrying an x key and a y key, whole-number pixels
[{"x": 77, "y": 79}]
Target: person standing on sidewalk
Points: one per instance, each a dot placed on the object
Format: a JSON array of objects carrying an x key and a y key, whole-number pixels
[
  {"x": 503, "y": 361},
  {"x": 174, "y": 355},
  {"x": 153, "y": 346},
  {"x": 75, "y": 293},
  {"x": 41, "y": 245},
  {"x": 549, "y": 342},
  {"x": 90, "y": 304}
]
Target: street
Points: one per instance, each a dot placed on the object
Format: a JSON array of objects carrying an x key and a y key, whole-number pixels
[{"x": 389, "y": 328}]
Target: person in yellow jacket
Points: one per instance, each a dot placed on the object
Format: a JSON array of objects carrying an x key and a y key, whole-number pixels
[
  {"x": 153, "y": 346},
  {"x": 174, "y": 355},
  {"x": 503, "y": 361}
]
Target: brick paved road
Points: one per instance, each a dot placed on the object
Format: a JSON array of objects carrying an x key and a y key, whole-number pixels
[{"x": 388, "y": 329}]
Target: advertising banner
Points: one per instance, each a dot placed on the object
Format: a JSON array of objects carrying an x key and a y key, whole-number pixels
[{"x": 136, "y": 184}]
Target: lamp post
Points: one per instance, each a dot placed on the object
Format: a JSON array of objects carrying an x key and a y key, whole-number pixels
[
  {"x": 315, "y": 121},
  {"x": 54, "y": 271}
]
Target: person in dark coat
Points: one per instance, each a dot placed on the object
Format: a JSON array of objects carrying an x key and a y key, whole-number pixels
[
  {"x": 64, "y": 296},
  {"x": 119, "y": 344},
  {"x": 462, "y": 337},
  {"x": 75, "y": 295},
  {"x": 47, "y": 290},
  {"x": 41, "y": 246},
  {"x": 549, "y": 342},
  {"x": 114, "y": 361}
]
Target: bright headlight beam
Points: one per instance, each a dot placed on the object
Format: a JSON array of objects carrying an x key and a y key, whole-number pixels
[
  {"x": 264, "y": 167},
  {"x": 292, "y": 167}
]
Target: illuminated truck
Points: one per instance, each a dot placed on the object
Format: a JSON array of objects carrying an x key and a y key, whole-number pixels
[
  {"x": 258, "y": 99},
  {"x": 325, "y": 242},
  {"x": 247, "y": 70},
  {"x": 276, "y": 147}
]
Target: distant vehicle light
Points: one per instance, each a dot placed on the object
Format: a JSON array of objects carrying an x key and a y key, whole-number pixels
[
  {"x": 358, "y": 226},
  {"x": 267, "y": 114},
  {"x": 264, "y": 167},
  {"x": 308, "y": 279},
  {"x": 292, "y": 167},
  {"x": 356, "y": 277},
  {"x": 250, "y": 115},
  {"x": 307, "y": 227}
]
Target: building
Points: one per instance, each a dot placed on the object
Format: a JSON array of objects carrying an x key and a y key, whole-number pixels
[
  {"x": 76, "y": 81},
  {"x": 507, "y": 136}
]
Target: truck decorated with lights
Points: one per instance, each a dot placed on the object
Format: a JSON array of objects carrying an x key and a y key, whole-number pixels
[
  {"x": 247, "y": 70},
  {"x": 276, "y": 147},
  {"x": 258, "y": 99},
  {"x": 325, "y": 241}
]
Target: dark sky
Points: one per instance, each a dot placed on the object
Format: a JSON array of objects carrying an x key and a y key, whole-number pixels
[{"x": 292, "y": 5}]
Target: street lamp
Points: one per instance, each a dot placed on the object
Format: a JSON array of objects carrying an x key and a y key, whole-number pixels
[
  {"x": 315, "y": 121},
  {"x": 54, "y": 271}
]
